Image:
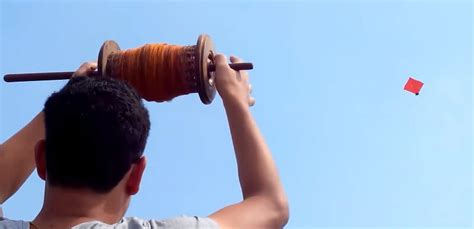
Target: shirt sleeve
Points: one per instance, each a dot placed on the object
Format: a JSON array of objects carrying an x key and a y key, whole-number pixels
[{"x": 194, "y": 222}]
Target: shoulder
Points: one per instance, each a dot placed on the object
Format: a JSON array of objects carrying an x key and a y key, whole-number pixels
[
  {"x": 194, "y": 222},
  {"x": 13, "y": 224},
  {"x": 185, "y": 222}
]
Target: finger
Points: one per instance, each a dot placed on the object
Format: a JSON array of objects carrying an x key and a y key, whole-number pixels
[
  {"x": 79, "y": 72},
  {"x": 243, "y": 75},
  {"x": 251, "y": 101},
  {"x": 85, "y": 69},
  {"x": 235, "y": 59},
  {"x": 87, "y": 65},
  {"x": 90, "y": 67},
  {"x": 220, "y": 59}
]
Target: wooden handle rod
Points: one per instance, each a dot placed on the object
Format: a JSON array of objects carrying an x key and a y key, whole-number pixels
[
  {"x": 67, "y": 75},
  {"x": 235, "y": 66}
]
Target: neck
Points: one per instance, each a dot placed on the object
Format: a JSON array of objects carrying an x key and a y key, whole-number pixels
[{"x": 67, "y": 207}]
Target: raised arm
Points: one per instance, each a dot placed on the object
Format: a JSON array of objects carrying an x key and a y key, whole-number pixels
[
  {"x": 17, "y": 157},
  {"x": 17, "y": 153},
  {"x": 264, "y": 202}
]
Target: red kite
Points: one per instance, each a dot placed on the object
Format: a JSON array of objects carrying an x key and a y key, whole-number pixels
[{"x": 413, "y": 86}]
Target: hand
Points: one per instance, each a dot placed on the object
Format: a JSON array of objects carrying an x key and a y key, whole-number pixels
[
  {"x": 233, "y": 86},
  {"x": 85, "y": 69}
]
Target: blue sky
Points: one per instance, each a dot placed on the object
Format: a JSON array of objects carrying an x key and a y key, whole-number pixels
[{"x": 354, "y": 150}]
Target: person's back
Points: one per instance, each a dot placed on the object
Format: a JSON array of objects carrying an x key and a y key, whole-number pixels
[
  {"x": 129, "y": 222},
  {"x": 90, "y": 149}
]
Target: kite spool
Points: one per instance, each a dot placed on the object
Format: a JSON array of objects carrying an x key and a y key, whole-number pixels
[
  {"x": 195, "y": 67},
  {"x": 195, "y": 61}
]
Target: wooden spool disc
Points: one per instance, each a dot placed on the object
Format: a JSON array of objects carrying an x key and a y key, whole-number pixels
[
  {"x": 108, "y": 47},
  {"x": 205, "y": 56}
]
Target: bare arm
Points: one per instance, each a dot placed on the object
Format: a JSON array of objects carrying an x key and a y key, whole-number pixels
[
  {"x": 17, "y": 157},
  {"x": 17, "y": 153},
  {"x": 265, "y": 203}
]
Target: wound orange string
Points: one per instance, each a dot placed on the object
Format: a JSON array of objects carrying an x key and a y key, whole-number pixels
[{"x": 159, "y": 72}]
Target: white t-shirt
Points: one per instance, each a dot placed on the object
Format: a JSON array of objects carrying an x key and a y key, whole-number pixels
[{"x": 130, "y": 223}]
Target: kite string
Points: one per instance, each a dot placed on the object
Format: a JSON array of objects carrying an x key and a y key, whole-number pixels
[{"x": 159, "y": 72}]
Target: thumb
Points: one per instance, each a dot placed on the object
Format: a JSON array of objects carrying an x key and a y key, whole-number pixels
[{"x": 235, "y": 59}]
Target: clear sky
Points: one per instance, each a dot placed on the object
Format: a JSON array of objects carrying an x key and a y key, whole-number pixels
[{"x": 353, "y": 148}]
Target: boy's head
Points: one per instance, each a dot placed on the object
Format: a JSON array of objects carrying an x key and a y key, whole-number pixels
[{"x": 96, "y": 128}]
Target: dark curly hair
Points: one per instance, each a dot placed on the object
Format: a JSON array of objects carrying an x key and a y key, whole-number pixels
[{"x": 96, "y": 128}]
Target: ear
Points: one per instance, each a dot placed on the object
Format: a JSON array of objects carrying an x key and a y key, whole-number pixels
[
  {"x": 40, "y": 161},
  {"x": 135, "y": 178}
]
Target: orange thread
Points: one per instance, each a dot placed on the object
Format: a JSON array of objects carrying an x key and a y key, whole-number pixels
[{"x": 157, "y": 71}]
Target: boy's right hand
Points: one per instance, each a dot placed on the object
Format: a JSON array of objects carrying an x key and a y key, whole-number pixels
[{"x": 233, "y": 86}]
